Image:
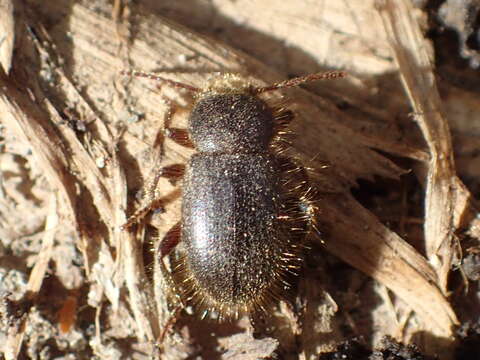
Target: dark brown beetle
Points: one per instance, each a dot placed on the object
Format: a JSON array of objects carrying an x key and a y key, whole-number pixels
[{"x": 246, "y": 207}]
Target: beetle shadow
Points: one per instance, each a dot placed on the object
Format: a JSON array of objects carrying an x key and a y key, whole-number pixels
[{"x": 207, "y": 332}]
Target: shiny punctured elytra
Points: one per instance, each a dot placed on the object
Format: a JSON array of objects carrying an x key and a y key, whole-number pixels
[{"x": 246, "y": 205}]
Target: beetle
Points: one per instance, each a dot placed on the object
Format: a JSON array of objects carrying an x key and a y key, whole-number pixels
[{"x": 247, "y": 204}]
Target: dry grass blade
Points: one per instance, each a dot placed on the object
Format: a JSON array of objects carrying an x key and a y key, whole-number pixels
[
  {"x": 67, "y": 162},
  {"x": 14, "y": 340},
  {"x": 16, "y": 332},
  {"x": 362, "y": 241},
  {"x": 7, "y": 34},
  {"x": 41, "y": 265},
  {"x": 32, "y": 125},
  {"x": 447, "y": 200}
]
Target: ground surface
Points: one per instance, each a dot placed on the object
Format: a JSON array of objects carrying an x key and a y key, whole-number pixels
[{"x": 393, "y": 150}]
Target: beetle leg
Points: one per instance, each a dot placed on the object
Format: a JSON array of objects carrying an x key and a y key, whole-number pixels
[
  {"x": 164, "y": 281},
  {"x": 152, "y": 200},
  {"x": 173, "y": 173},
  {"x": 178, "y": 135},
  {"x": 169, "y": 325},
  {"x": 170, "y": 240}
]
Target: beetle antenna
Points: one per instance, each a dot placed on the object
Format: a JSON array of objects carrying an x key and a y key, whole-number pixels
[
  {"x": 153, "y": 76},
  {"x": 330, "y": 75}
]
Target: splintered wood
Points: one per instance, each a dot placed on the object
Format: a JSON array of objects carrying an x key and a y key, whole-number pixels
[{"x": 90, "y": 137}]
